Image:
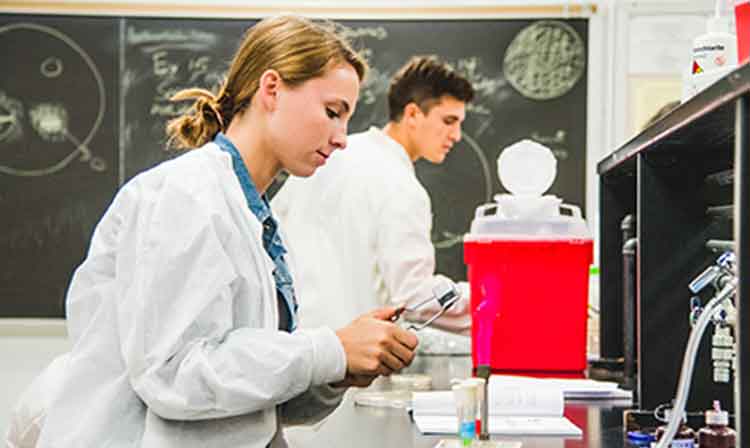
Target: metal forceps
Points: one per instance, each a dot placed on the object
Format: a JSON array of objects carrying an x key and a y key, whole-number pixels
[{"x": 446, "y": 295}]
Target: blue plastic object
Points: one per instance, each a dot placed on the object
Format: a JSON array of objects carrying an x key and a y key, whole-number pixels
[{"x": 640, "y": 438}]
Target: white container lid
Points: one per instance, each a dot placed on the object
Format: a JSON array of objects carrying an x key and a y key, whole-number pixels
[
  {"x": 527, "y": 169},
  {"x": 487, "y": 224},
  {"x": 512, "y": 206}
]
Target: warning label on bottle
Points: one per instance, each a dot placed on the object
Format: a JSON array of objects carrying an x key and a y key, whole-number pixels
[{"x": 697, "y": 68}]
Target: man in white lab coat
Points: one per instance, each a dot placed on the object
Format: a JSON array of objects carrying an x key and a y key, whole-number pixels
[{"x": 366, "y": 216}]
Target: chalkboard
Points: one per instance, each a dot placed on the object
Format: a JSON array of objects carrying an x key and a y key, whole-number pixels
[
  {"x": 530, "y": 77},
  {"x": 58, "y": 153}
]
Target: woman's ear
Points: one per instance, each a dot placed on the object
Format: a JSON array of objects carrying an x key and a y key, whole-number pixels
[{"x": 269, "y": 84}]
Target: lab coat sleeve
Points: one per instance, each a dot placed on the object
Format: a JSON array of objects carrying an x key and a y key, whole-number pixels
[
  {"x": 406, "y": 259},
  {"x": 312, "y": 406},
  {"x": 178, "y": 285}
]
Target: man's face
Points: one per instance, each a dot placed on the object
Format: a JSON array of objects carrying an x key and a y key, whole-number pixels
[{"x": 436, "y": 131}]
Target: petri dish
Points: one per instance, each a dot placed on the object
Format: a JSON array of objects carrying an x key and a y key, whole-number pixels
[
  {"x": 411, "y": 381},
  {"x": 384, "y": 399}
]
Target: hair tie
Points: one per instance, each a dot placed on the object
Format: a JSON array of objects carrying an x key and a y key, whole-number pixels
[{"x": 204, "y": 104}]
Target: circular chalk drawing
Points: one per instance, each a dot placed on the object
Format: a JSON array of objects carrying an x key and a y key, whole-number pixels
[
  {"x": 545, "y": 60},
  {"x": 43, "y": 114},
  {"x": 51, "y": 67}
]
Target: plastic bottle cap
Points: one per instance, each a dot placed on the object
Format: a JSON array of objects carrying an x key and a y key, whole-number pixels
[
  {"x": 717, "y": 416},
  {"x": 527, "y": 168},
  {"x": 640, "y": 438}
]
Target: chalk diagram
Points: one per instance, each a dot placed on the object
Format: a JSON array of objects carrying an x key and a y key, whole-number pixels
[
  {"x": 39, "y": 135},
  {"x": 545, "y": 60}
]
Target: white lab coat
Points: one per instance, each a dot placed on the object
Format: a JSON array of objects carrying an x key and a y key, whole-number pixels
[
  {"x": 173, "y": 318},
  {"x": 367, "y": 219}
]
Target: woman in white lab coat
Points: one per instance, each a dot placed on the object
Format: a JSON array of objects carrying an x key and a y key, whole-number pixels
[{"x": 183, "y": 315}]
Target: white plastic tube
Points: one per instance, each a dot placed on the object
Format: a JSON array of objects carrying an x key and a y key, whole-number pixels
[{"x": 688, "y": 362}]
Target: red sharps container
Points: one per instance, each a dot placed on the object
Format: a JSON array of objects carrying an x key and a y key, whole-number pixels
[{"x": 528, "y": 259}]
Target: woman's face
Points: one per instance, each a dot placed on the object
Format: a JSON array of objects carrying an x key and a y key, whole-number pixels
[{"x": 310, "y": 120}]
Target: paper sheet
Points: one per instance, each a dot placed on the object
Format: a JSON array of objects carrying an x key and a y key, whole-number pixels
[
  {"x": 571, "y": 388},
  {"x": 500, "y": 425},
  {"x": 506, "y": 400}
]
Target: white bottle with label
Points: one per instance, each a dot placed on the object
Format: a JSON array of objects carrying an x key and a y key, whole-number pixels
[{"x": 714, "y": 55}]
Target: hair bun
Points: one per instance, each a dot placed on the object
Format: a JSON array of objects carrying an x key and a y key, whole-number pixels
[
  {"x": 207, "y": 107},
  {"x": 198, "y": 127}
]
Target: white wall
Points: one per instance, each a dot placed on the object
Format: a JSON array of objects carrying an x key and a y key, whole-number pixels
[
  {"x": 26, "y": 347},
  {"x": 644, "y": 51},
  {"x": 651, "y": 48}
]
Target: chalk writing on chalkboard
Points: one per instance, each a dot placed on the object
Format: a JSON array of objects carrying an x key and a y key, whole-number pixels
[
  {"x": 48, "y": 120},
  {"x": 165, "y": 51},
  {"x": 162, "y": 57}
]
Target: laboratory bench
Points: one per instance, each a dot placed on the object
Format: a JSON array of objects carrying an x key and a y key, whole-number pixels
[
  {"x": 682, "y": 188},
  {"x": 358, "y": 426}
]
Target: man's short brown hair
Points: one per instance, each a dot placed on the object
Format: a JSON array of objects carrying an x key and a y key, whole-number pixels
[{"x": 424, "y": 80}]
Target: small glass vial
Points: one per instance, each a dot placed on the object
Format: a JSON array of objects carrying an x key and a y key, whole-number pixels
[
  {"x": 684, "y": 438},
  {"x": 717, "y": 433},
  {"x": 465, "y": 396},
  {"x": 479, "y": 383}
]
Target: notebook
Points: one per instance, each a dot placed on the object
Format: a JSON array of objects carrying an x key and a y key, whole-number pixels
[
  {"x": 573, "y": 389},
  {"x": 513, "y": 409}
]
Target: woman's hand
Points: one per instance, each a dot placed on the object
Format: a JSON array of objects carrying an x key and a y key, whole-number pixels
[{"x": 375, "y": 346}]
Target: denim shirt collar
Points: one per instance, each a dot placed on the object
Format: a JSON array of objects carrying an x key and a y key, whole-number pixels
[
  {"x": 258, "y": 204},
  {"x": 271, "y": 240}
]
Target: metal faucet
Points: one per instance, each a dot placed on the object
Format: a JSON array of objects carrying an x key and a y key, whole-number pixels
[{"x": 719, "y": 276}]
